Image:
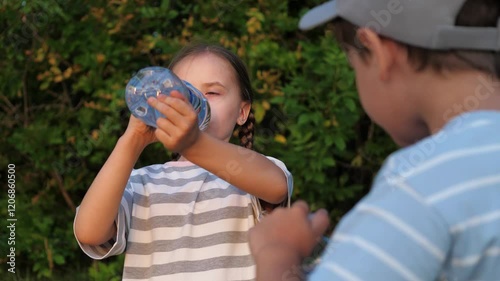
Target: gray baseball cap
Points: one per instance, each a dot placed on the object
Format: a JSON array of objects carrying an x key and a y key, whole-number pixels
[{"x": 428, "y": 24}]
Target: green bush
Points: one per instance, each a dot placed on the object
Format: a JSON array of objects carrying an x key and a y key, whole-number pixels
[{"x": 64, "y": 68}]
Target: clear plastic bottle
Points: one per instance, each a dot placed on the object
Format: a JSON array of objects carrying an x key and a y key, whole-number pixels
[{"x": 153, "y": 81}]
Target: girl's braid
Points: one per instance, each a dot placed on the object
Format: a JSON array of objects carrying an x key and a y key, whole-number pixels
[{"x": 245, "y": 132}]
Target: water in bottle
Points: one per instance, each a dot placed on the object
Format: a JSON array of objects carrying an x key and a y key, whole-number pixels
[{"x": 155, "y": 80}]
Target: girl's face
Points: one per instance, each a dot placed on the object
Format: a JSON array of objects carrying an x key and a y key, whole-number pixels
[{"x": 216, "y": 79}]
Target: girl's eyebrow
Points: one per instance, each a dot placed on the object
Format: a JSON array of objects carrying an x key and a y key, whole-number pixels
[{"x": 215, "y": 83}]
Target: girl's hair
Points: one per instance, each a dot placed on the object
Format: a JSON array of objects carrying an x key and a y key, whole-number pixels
[
  {"x": 480, "y": 13},
  {"x": 245, "y": 131}
]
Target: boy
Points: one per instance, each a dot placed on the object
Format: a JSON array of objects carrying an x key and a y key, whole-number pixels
[{"x": 428, "y": 73}]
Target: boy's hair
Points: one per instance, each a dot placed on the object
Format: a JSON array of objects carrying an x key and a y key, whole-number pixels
[
  {"x": 245, "y": 131},
  {"x": 477, "y": 13}
]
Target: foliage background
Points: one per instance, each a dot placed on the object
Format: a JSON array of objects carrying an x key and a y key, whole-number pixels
[{"x": 64, "y": 66}]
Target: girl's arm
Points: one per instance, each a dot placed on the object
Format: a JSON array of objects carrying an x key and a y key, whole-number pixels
[
  {"x": 94, "y": 223},
  {"x": 241, "y": 167}
]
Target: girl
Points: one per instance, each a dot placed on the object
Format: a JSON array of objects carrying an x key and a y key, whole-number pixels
[{"x": 188, "y": 219}]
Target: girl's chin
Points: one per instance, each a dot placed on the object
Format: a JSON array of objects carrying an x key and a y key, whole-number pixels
[{"x": 212, "y": 131}]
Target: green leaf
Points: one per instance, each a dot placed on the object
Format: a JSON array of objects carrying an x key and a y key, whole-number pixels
[
  {"x": 349, "y": 103},
  {"x": 328, "y": 162},
  {"x": 45, "y": 85},
  {"x": 303, "y": 119},
  {"x": 339, "y": 143},
  {"x": 58, "y": 259},
  {"x": 259, "y": 112}
]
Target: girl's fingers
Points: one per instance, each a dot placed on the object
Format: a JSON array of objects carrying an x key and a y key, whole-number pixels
[
  {"x": 157, "y": 104},
  {"x": 170, "y": 113},
  {"x": 162, "y": 137},
  {"x": 179, "y": 128},
  {"x": 177, "y": 110},
  {"x": 177, "y": 94},
  {"x": 162, "y": 132},
  {"x": 166, "y": 125},
  {"x": 178, "y": 102}
]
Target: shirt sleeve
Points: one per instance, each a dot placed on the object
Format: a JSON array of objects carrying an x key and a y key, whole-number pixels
[
  {"x": 117, "y": 244},
  {"x": 258, "y": 209},
  {"x": 392, "y": 234},
  {"x": 289, "y": 180}
]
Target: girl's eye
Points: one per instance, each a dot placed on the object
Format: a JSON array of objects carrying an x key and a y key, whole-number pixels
[{"x": 211, "y": 93}]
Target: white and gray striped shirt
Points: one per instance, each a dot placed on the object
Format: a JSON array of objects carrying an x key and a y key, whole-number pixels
[{"x": 178, "y": 221}]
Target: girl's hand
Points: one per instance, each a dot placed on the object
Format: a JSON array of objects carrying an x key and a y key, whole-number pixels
[
  {"x": 140, "y": 131},
  {"x": 179, "y": 130},
  {"x": 288, "y": 230}
]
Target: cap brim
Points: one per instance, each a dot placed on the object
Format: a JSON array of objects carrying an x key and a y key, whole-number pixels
[{"x": 319, "y": 15}]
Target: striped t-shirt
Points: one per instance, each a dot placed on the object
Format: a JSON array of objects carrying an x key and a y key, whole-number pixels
[
  {"x": 178, "y": 221},
  {"x": 433, "y": 212}
]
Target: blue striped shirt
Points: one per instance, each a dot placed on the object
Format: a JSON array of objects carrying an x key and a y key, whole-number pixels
[{"x": 433, "y": 212}]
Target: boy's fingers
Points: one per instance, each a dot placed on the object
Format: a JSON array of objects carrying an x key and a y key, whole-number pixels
[
  {"x": 302, "y": 206},
  {"x": 320, "y": 222}
]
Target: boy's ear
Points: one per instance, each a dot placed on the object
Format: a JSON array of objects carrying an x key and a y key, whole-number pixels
[
  {"x": 244, "y": 112},
  {"x": 382, "y": 51}
]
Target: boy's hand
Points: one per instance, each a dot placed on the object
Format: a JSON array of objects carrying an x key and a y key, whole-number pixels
[
  {"x": 291, "y": 230},
  {"x": 179, "y": 130}
]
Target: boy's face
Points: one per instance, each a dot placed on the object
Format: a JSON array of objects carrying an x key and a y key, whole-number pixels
[{"x": 384, "y": 93}]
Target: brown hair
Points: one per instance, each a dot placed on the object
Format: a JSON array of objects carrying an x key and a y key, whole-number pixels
[
  {"x": 479, "y": 13},
  {"x": 245, "y": 131}
]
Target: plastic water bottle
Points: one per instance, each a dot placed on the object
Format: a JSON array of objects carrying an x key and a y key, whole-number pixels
[{"x": 153, "y": 81}]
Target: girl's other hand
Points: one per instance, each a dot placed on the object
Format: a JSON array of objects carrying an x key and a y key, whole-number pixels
[
  {"x": 179, "y": 130},
  {"x": 140, "y": 131}
]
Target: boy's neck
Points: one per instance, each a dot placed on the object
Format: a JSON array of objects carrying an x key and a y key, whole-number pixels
[{"x": 446, "y": 96}]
